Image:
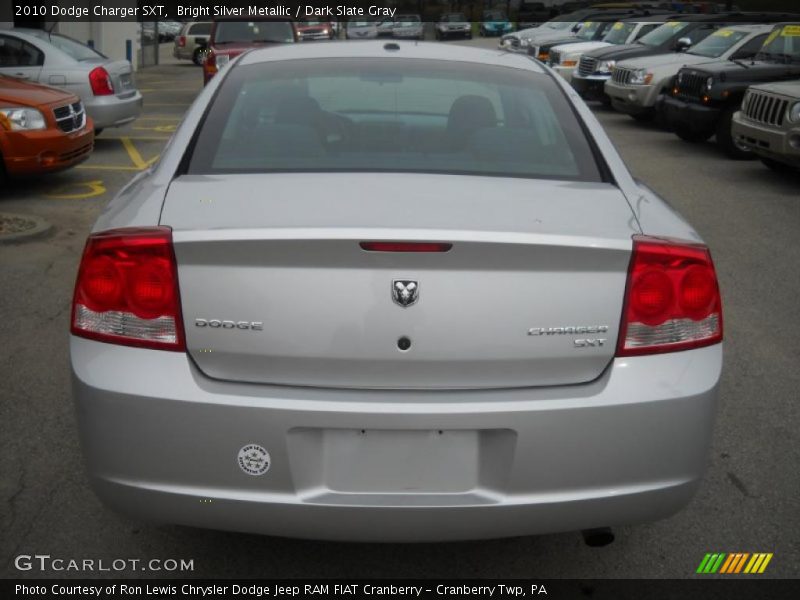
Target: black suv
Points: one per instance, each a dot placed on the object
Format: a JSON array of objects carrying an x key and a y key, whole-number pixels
[
  {"x": 706, "y": 96},
  {"x": 675, "y": 35}
]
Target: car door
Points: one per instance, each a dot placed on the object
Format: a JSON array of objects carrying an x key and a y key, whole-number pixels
[{"x": 19, "y": 58}]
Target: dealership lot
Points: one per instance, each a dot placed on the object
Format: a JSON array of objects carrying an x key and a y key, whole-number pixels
[{"x": 748, "y": 215}]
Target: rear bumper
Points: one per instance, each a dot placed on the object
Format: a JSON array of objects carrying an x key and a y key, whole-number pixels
[
  {"x": 632, "y": 99},
  {"x": 33, "y": 152},
  {"x": 769, "y": 142},
  {"x": 689, "y": 115},
  {"x": 161, "y": 443},
  {"x": 111, "y": 111}
]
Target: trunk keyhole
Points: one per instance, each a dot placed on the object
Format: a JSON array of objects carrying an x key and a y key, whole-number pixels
[{"x": 404, "y": 343}]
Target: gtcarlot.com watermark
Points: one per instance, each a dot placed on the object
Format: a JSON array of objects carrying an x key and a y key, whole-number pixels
[{"x": 45, "y": 562}]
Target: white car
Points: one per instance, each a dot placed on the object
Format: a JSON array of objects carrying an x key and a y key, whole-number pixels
[
  {"x": 552, "y": 30},
  {"x": 565, "y": 58}
]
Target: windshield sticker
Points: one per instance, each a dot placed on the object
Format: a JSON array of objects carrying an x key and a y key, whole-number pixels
[
  {"x": 723, "y": 33},
  {"x": 618, "y": 26},
  {"x": 791, "y": 31}
]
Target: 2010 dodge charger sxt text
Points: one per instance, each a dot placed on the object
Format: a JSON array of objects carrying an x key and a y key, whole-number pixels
[{"x": 389, "y": 291}]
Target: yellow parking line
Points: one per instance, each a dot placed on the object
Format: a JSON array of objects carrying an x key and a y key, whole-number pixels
[
  {"x": 108, "y": 168},
  {"x": 160, "y": 118},
  {"x": 133, "y": 153},
  {"x": 144, "y": 138}
]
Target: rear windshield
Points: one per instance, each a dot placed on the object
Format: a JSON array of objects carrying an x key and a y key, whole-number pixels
[
  {"x": 663, "y": 34},
  {"x": 200, "y": 29},
  {"x": 253, "y": 31},
  {"x": 392, "y": 115},
  {"x": 718, "y": 43},
  {"x": 70, "y": 47}
]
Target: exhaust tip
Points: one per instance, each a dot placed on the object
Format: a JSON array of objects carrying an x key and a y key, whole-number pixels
[{"x": 597, "y": 538}]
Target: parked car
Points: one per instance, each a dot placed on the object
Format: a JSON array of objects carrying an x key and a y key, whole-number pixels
[
  {"x": 408, "y": 27},
  {"x": 565, "y": 25},
  {"x": 453, "y": 25},
  {"x": 385, "y": 26},
  {"x": 677, "y": 35},
  {"x": 362, "y": 29},
  {"x": 42, "y": 129},
  {"x": 769, "y": 124},
  {"x": 314, "y": 30},
  {"x": 494, "y": 22},
  {"x": 706, "y": 96},
  {"x": 231, "y": 37},
  {"x": 591, "y": 31},
  {"x": 192, "y": 42},
  {"x": 349, "y": 339},
  {"x": 637, "y": 84},
  {"x": 105, "y": 86},
  {"x": 168, "y": 30},
  {"x": 564, "y": 58}
]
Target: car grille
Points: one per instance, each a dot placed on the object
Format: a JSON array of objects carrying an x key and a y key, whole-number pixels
[
  {"x": 71, "y": 117},
  {"x": 691, "y": 85},
  {"x": 764, "y": 108},
  {"x": 587, "y": 66},
  {"x": 67, "y": 156},
  {"x": 312, "y": 31},
  {"x": 622, "y": 76}
]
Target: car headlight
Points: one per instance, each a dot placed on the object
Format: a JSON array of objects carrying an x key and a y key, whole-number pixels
[
  {"x": 794, "y": 113},
  {"x": 605, "y": 66},
  {"x": 709, "y": 83},
  {"x": 22, "y": 119},
  {"x": 641, "y": 77}
]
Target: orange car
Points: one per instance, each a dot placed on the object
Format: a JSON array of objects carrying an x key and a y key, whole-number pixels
[{"x": 42, "y": 129}]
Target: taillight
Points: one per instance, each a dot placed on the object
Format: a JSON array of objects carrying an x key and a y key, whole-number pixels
[
  {"x": 181, "y": 40},
  {"x": 672, "y": 299},
  {"x": 127, "y": 290},
  {"x": 100, "y": 81}
]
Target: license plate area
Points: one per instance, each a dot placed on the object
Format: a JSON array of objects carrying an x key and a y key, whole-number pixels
[{"x": 400, "y": 461}]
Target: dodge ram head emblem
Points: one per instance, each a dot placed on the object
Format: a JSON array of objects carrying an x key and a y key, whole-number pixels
[{"x": 405, "y": 292}]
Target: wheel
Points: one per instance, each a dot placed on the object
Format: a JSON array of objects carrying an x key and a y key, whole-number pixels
[
  {"x": 199, "y": 56},
  {"x": 776, "y": 166},
  {"x": 690, "y": 135},
  {"x": 725, "y": 140}
]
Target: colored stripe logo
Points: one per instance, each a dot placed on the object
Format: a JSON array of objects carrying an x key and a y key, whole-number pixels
[{"x": 734, "y": 563}]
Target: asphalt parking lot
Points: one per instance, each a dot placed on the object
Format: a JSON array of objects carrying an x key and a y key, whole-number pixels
[{"x": 749, "y": 216}]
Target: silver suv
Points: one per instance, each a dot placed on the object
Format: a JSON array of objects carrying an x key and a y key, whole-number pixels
[
  {"x": 192, "y": 42},
  {"x": 769, "y": 124}
]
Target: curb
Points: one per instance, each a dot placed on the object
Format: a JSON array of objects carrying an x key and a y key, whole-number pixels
[{"x": 40, "y": 228}]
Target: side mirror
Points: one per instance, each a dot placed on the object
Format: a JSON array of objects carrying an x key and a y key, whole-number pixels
[{"x": 683, "y": 44}]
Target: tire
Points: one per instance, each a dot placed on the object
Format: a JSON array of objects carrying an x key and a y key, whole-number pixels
[
  {"x": 774, "y": 165},
  {"x": 198, "y": 56},
  {"x": 725, "y": 140},
  {"x": 692, "y": 136}
]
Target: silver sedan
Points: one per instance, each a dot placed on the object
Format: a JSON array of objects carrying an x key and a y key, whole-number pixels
[
  {"x": 407, "y": 292},
  {"x": 106, "y": 86}
]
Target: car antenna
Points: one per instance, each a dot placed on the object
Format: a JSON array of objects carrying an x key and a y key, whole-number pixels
[{"x": 50, "y": 30}]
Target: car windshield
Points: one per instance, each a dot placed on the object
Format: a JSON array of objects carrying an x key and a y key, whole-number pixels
[
  {"x": 782, "y": 45},
  {"x": 619, "y": 33},
  {"x": 392, "y": 115},
  {"x": 663, "y": 34},
  {"x": 718, "y": 43},
  {"x": 558, "y": 25},
  {"x": 243, "y": 31},
  {"x": 69, "y": 46},
  {"x": 494, "y": 15},
  {"x": 589, "y": 29},
  {"x": 454, "y": 18}
]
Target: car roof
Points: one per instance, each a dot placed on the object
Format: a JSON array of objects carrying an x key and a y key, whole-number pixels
[{"x": 384, "y": 49}]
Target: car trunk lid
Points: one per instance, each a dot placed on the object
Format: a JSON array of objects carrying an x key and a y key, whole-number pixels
[{"x": 275, "y": 262}]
